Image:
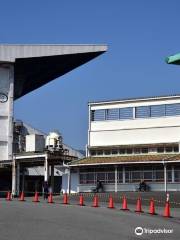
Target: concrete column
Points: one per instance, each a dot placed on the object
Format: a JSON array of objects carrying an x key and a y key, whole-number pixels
[
  {"x": 116, "y": 179},
  {"x": 52, "y": 177},
  {"x": 46, "y": 169},
  {"x": 14, "y": 177},
  {"x": 165, "y": 178},
  {"x": 69, "y": 181},
  {"x": 172, "y": 170},
  {"x": 18, "y": 179},
  {"x": 124, "y": 175}
]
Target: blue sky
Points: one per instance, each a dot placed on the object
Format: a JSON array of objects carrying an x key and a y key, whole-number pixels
[{"x": 140, "y": 34}]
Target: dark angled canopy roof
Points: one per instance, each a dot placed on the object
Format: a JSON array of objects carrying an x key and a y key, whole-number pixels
[{"x": 36, "y": 65}]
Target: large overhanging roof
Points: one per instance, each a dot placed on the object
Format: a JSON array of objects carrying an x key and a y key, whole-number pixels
[
  {"x": 36, "y": 65},
  {"x": 174, "y": 59}
]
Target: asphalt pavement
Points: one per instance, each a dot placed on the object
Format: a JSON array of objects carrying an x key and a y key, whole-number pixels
[{"x": 42, "y": 221}]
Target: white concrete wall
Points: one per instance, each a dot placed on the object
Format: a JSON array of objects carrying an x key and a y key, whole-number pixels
[{"x": 6, "y": 112}]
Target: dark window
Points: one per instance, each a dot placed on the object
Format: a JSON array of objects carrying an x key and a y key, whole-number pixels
[
  {"x": 129, "y": 151},
  {"x": 99, "y": 152},
  {"x": 177, "y": 175},
  {"x": 107, "y": 152},
  {"x": 101, "y": 176},
  {"x": 120, "y": 177},
  {"x": 176, "y": 149},
  {"x": 144, "y": 150},
  {"x": 98, "y": 115},
  {"x": 110, "y": 177},
  {"x": 172, "y": 109},
  {"x": 112, "y": 114},
  {"x": 142, "y": 112},
  {"x": 122, "y": 151},
  {"x": 160, "y": 149},
  {"x": 126, "y": 113},
  {"x": 137, "y": 150},
  {"x": 157, "y": 110},
  {"x": 169, "y": 149},
  {"x": 148, "y": 175},
  {"x": 114, "y": 151},
  {"x": 93, "y": 153}
]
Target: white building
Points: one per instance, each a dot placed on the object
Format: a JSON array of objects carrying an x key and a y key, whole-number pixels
[{"x": 129, "y": 141}]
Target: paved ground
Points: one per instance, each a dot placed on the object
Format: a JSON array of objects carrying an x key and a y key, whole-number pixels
[{"x": 42, "y": 221}]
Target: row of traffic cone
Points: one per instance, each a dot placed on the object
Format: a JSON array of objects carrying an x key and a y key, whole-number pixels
[{"x": 96, "y": 203}]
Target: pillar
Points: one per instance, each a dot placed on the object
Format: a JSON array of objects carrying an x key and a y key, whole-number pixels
[
  {"x": 14, "y": 177},
  {"x": 46, "y": 169},
  {"x": 124, "y": 175},
  {"x": 69, "y": 181},
  {"x": 52, "y": 177},
  {"x": 165, "y": 178},
  {"x": 172, "y": 170},
  {"x": 18, "y": 178},
  {"x": 116, "y": 179}
]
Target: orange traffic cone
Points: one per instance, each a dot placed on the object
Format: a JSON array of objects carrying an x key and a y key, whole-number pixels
[
  {"x": 22, "y": 196},
  {"x": 81, "y": 200},
  {"x": 95, "y": 201},
  {"x": 111, "y": 202},
  {"x": 167, "y": 210},
  {"x": 65, "y": 199},
  {"x": 152, "y": 207},
  {"x": 138, "y": 206},
  {"x": 124, "y": 204},
  {"x": 8, "y": 197},
  {"x": 50, "y": 198},
  {"x": 36, "y": 197}
]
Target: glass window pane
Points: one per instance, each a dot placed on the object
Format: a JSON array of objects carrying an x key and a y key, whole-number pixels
[
  {"x": 126, "y": 113},
  {"x": 177, "y": 175},
  {"x": 136, "y": 176},
  {"x": 143, "y": 112},
  {"x": 101, "y": 176},
  {"x": 159, "y": 176},
  {"x": 110, "y": 177},
  {"x": 99, "y": 115},
  {"x": 148, "y": 175},
  {"x": 158, "y": 111},
  {"x": 112, "y": 114},
  {"x": 120, "y": 177},
  {"x": 172, "y": 109}
]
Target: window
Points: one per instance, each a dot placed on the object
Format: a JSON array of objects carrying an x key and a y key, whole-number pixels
[
  {"x": 144, "y": 150},
  {"x": 122, "y": 151},
  {"x": 107, "y": 152},
  {"x": 168, "y": 149},
  {"x": 177, "y": 175},
  {"x": 159, "y": 176},
  {"x": 148, "y": 175},
  {"x": 137, "y": 150},
  {"x": 99, "y": 152},
  {"x": 176, "y": 149},
  {"x": 172, "y": 109},
  {"x": 129, "y": 151},
  {"x": 98, "y": 115},
  {"x": 157, "y": 110},
  {"x": 120, "y": 177},
  {"x": 126, "y": 113},
  {"x": 160, "y": 149},
  {"x": 110, "y": 177},
  {"x": 136, "y": 176},
  {"x": 114, "y": 151},
  {"x": 101, "y": 176},
  {"x": 142, "y": 112},
  {"x": 112, "y": 114},
  {"x": 93, "y": 153}
]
